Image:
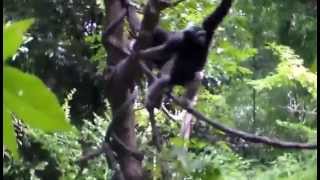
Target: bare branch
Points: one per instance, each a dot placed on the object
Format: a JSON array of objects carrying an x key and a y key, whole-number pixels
[
  {"x": 133, "y": 20},
  {"x": 107, "y": 37},
  {"x": 111, "y": 27},
  {"x": 246, "y": 136}
]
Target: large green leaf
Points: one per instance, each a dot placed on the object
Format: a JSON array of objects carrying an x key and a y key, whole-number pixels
[
  {"x": 13, "y": 36},
  {"x": 9, "y": 137},
  {"x": 32, "y": 101}
]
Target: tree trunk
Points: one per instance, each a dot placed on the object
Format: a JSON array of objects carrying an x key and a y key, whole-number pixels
[{"x": 118, "y": 92}]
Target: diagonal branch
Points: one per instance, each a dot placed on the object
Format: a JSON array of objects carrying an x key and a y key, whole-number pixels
[{"x": 244, "y": 135}]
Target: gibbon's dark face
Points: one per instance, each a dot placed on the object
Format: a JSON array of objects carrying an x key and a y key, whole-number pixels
[
  {"x": 201, "y": 35},
  {"x": 195, "y": 34}
]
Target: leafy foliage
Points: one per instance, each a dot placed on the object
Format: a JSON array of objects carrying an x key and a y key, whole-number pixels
[
  {"x": 25, "y": 95},
  {"x": 289, "y": 70},
  {"x": 55, "y": 155},
  {"x": 13, "y": 36}
]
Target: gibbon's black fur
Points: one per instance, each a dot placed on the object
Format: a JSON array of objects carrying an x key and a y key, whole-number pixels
[
  {"x": 160, "y": 36},
  {"x": 189, "y": 48}
]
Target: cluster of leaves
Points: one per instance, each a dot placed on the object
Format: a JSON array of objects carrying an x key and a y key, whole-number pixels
[
  {"x": 289, "y": 70},
  {"x": 24, "y": 94},
  {"x": 55, "y": 155},
  {"x": 63, "y": 42}
]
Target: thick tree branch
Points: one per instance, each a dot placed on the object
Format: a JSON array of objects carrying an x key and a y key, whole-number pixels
[
  {"x": 113, "y": 24},
  {"x": 246, "y": 136},
  {"x": 126, "y": 71},
  {"x": 119, "y": 92}
]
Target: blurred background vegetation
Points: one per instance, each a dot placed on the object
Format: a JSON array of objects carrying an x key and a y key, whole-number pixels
[{"x": 261, "y": 77}]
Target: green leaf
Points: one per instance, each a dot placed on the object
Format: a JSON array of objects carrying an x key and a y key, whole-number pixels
[
  {"x": 32, "y": 101},
  {"x": 9, "y": 137},
  {"x": 13, "y": 36}
]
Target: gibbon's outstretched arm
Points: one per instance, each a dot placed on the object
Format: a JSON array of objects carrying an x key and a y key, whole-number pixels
[
  {"x": 212, "y": 21},
  {"x": 166, "y": 49}
]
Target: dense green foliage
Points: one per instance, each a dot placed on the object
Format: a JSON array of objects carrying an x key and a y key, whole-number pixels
[
  {"x": 25, "y": 95},
  {"x": 261, "y": 77}
]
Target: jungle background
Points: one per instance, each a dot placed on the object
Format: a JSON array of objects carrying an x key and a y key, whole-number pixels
[{"x": 260, "y": 77}]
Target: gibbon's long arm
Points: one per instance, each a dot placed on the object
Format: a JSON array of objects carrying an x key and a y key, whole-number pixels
[
  {"x": 152, "y": 52},
  {"x": 211, "y": 22},
  {"x": 167, "y": 48}
]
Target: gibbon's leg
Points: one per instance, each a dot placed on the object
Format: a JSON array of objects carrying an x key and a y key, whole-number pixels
[
  {"x": 191, "y": 89},
  {"x": 153, "y": 99},
  {"x": 190, "y": 98},
  {"x": 167, "y": 67},
  {"x": 155, "y": 92}
]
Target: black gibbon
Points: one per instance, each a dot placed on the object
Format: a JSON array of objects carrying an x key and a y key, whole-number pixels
[{"x": 187, "y": 48}]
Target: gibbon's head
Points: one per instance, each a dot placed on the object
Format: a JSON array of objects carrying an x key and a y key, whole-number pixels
[{"x": 195, "y": 34}]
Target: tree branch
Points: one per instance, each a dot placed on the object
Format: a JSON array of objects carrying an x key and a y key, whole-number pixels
[{"x": 246, "y": 136}]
